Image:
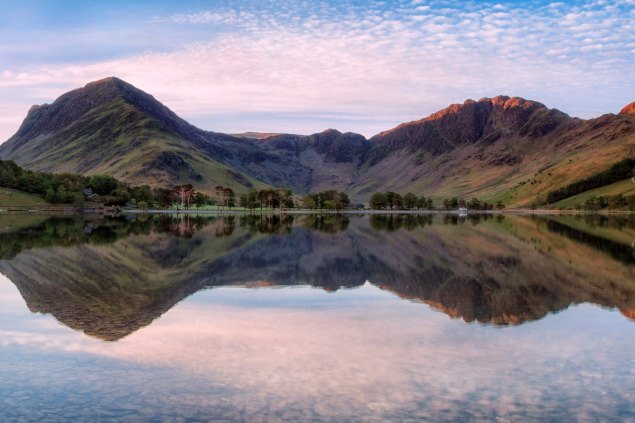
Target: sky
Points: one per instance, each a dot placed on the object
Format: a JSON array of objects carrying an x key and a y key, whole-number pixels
[{"x": 304, "y": 66}]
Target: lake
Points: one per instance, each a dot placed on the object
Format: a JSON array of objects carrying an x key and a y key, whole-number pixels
[{"x": 317, "y": 318}]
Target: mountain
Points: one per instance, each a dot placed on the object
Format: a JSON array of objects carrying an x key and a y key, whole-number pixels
[
  {"x": 498, "y": 148},
  {"x": 629, "y": 109},
  {"x": 111, "y": 127}
]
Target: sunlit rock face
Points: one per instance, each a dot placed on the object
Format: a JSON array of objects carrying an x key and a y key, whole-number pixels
[
  {"x": 110, "y": 278},
  {"x": 485, "y": 120},
  {"x": 628, "y": 313},
  {"x": 629, "y": 109}
]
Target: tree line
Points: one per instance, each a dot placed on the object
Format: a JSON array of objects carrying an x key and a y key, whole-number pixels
[
  {"x": 101, "y": 189},
  {"x": 65, "y": 187},
  {"x": 329, "y": 200},
  {"x": 394, "y": 201},
  {"x": 611, "y": 202},
  {"x": 267, "y": 198},
  {"x": 68, "y": 188},
  {"x": 621, "y": 170},
  {"x": 473, "y": 204}
]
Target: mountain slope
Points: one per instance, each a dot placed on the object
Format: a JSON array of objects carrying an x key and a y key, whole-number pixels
[
  {"x": 331, "y": 159},
  {"x": 498, "y": 148},
  {"x": 113, "y": 128}
]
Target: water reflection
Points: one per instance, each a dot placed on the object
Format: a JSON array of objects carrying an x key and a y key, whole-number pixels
[
  {"x": 110, "y": 277},
  {"x": 381, "y": 350}
]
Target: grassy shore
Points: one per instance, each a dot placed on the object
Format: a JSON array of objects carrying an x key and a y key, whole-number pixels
[{"x": 12, "y": 198}]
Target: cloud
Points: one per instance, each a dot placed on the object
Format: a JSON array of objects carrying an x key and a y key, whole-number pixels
[{"x": 389, "y": 62}]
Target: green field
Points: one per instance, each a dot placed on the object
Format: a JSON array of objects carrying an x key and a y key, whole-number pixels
[
  {"x": 12, "y": 198},
  {"x": 626, "y": 187}
]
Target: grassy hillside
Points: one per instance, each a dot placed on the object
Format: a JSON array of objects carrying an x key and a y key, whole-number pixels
[
  {"x": 118, "y": 139},
  {"x": 626, "y": 187},
  {"x": 10, "y": 197},
  {"x": 481, "y": 170}
]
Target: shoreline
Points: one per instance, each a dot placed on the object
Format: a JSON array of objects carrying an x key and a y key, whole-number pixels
[
  {"x": 524, "y": 212},
  {"x": 105, "y": 212}
]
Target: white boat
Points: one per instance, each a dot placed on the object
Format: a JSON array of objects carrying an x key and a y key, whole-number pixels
[{"x": 462, "y": 210}]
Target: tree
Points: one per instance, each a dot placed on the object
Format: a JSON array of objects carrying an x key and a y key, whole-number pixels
[
  {"x": 308, "y": 203},
  {"x": 341, "y": 200},
  {"x": 281, "y": 195},
  {"x": 165, "y": 197},
  {"x": 63, "y": 196},
  {"x": 243, "y": 201},
  {"x": 50, "y": 196},
  {"x": 409, "y": 201},
  {"x": 378, "y": 201},
  {"x": 500, "y": 205},
  {"x": 78, "y": 200},
  {"x": 185, "y": 194},
  {"x": 272, "y": 198},
  {"x": 288, "y": 199},
  {"x": 475, "y": 204},
  {"x": 118, "y": 197},
  {"x": 393, "y": 200},
  {"x": 249, "y": 200},
  {"x": 199, "y": 200},
  {"x": 7, "y": 179},
  {"x": 230, "y": 197},
  {"x": 103, "y": 185},
  {"x": 316, "y": 199},
  {"x": 252, "y": 199},
  {"x": 220, "y": 194},
  {"x": 421, "y": 202},
  {"x": 143, "y": 193},
  {"x": 389, "y": 199}
]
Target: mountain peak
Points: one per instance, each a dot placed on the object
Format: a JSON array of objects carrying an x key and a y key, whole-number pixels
[
  {"x": 470, "y": 121},
  {"x": 107, "y": 80},
  {"x": 331, "y": 131},
  {"x": 109, "y": 83},
  {"x": 70, "y": 107},
  {"x": 629, "y": 109},
  {"x": 501, "y": 102},
  {"x": 50, "y": 118},
  {"x": 111, "y": 86},
  {"x": 507, "y": 102}
]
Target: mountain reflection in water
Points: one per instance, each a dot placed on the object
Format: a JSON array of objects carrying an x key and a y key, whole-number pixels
[{"x": 110, "y": 277}]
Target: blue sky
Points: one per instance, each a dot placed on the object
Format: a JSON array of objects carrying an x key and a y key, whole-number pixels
[{"x": 303, "y": 66}]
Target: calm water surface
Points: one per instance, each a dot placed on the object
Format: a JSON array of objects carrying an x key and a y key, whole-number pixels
[{"x": 317, "y": 318}]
